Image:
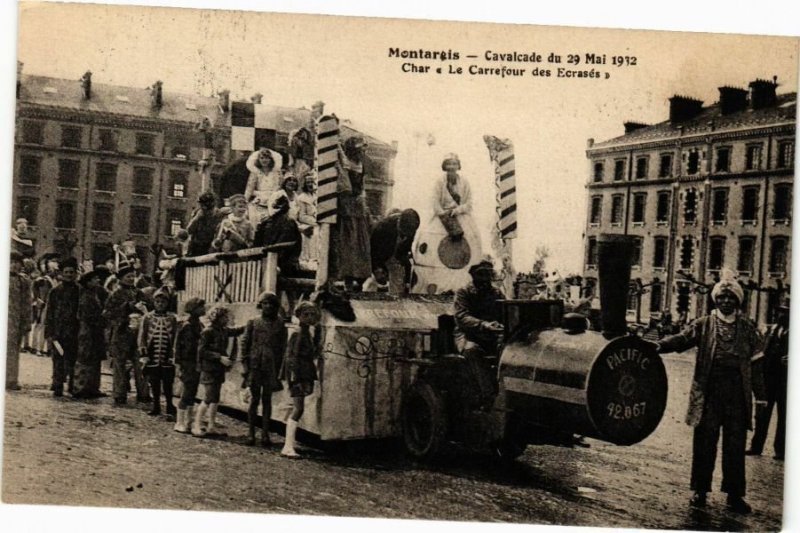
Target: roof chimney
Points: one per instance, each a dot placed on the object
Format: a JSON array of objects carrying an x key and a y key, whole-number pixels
[
  {"x": 86, "y": 85},
  {"x": 224, "y": 100},
  {"x": 762, "y": 93},
  {"x": 156, "y": 100},
  {"x": 631, "y": 126},
  {"x": 684, "y": 108},
  {"x": 732, "y": 100},
  {"x": 256, "y": 98},
  {"x": 318, "y": 109}
]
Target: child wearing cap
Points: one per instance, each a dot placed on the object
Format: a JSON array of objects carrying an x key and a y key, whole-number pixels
[
  {"x": 235, "y": 232},
  {"x": 262, "y": 351},
  {"x": 214, "y": 362},
  {"x": 186, "y": 343},
  {"x": 299, "y": 371},
  {"x": 157, "y": 333}
]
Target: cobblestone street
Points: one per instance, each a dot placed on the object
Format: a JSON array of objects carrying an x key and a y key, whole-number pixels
[{"x": 66, "y": 452}]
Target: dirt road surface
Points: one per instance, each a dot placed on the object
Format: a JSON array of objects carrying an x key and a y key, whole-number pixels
[{"x": 67, "y": 452}]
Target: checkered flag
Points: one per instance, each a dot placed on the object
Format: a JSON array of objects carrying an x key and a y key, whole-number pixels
[{"x": 249, "y": 129}]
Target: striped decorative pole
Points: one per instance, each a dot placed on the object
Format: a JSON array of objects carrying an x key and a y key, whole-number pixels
[
  {"x": 326, "y": 154},
  {"x": 501, "y": 152}
]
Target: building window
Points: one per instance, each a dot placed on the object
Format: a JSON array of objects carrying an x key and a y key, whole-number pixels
[
  {"x": 693, "y": 162},
  {"x": 619, "y": 170},
  {"x": 103, "y": 217},
  {"x": 687, "y": 253},
  {"x": 719, "y": 211},
  {"x": 145, "y": 144},
  {"x": 596, "y": 215},
  {"x": 616, "y": 209},
  {"x": 175, "y": 218},
  {"x": 591, "y": 252},
  {"x": 785, "y": 154},
  {"x": 641, "y": 168},
  {"x": 660, "y": 252},
  {"x": 636, "y": 259},
  {"x": 777, "y": 255},
  {"x": 782, "y": 206},
  {"x": 30, "y": 170},
  {"x": 108, "y": 140},
  {"x": 105, "y": 177},
  {"x": 656, "y": 295},
  {"x": 639, "y": 205},
  {"x": 598, "y": 172},
  {"x": 750, "y": 204},
  {"x": 662, "y": 209},
  {"x": 65, "y": 215},
  {"x": 716, "y": 253},
  {"x": 32, "y": 132},
  {"x": 745, "y": 261},
  {"x": 665, "y": 166},
  {"x": 181, "y": 149},
  {"x": 178, "y": 179},
  {"x": 723, "y": 160},
  {"x": 142, "y": 180},
  {"x": 633, "y": 296},
  {"x": 753, "y": 157},
  {"x": 71, "y": 136},
  {"x": 68, "y": 173},
  {"x": 690, "y": 206},
  {"x": 28, "y": 208},
  {"x": 140, "y": 220}
]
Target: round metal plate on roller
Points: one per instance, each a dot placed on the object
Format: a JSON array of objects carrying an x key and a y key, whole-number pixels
[{"x": 454, "y": 254}]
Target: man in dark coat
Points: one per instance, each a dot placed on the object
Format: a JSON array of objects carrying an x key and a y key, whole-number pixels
[
  {"x": 390, "y": 241},
  {"x": 61, "y": 326},
  {"x": 478, "y": 329},
  {"x": 727, "y": 342},
  {"x": 19, "y": 318},
  {"x": 202, "y": 229},
  {"x": 775, "y": 368}
]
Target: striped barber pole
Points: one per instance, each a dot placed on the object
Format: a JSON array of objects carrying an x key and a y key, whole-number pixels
[
  {"x": 502, "y": 153},
  {"x": 325, "y": 160}
]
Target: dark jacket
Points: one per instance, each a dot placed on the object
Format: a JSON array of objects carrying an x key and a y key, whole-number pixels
[
  {"x": 473, "y": 309},
  {"x": 61, "y": 317},
  {"x": 212, "y": 346},
  {"x": 298, "y": 365},
  {"x": 186, "y": 344},
  {"x": 263, "y": 344}
]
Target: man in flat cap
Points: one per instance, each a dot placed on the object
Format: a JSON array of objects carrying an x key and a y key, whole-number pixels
[
  {"x": 727, "y": 342},
  {"x": 61, "y": 326},
  {"x": 478, "y": 329},
  {"x": 19, "y": 318}
]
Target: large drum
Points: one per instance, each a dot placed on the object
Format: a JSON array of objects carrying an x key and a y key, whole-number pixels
[{"x": 615, "y": 391}]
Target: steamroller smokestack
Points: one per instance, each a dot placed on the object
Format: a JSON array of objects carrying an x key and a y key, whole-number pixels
[{"x": 615, "y": 253}]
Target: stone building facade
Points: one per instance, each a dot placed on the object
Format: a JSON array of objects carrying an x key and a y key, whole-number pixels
[
  {"x": 710, "y": 188},
  {"x": 96, "y": 165}
]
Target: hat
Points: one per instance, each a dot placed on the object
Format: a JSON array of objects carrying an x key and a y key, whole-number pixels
[
  {"x": 287, "y": 177},
  {"x": 727, "y": 282},
  {"x": 302, "y": 306},
  {"x": 483, "y": 265},
  {"x": 267, "y": 296},
  {"x": 235, "y": 197},
  {"x": 124, "y": 267},
  {"x": 89, "y": 276},
  {"x": 785, "y": 303},
  {"x": 192, "y": 304},
  {"x": 207, "y": 197},
  {"x": 69, "y": 262},
  {"x": 162, "y": 292},
  {"x": 451, "y": 157}
]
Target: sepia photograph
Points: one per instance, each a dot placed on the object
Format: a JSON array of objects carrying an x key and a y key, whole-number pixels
[{"x": 272, "y": 265}]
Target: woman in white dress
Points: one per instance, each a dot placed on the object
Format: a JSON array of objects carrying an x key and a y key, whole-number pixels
[
  {"x": 265, "y": 178},
  {"x": 307, "y": 222}
]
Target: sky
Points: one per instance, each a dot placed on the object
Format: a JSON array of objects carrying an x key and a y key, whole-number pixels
[{"x": 296, "y": 60}]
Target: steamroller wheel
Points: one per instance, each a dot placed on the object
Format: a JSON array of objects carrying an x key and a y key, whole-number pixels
[{"x": 424, "y": 421}]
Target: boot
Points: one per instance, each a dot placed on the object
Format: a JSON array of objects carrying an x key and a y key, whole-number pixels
[
  {"x": 212, "y": 421},
  {"x": 156, "y": 410},
  {"x": 288, "y": 446},
  {"x": 197, "y": 429},
  {"x": 171, "y": 410},
  {"x": 181, "y": 422},
  {"x": 189, "y": 418},
  {"x": 251, "y": 434}
]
